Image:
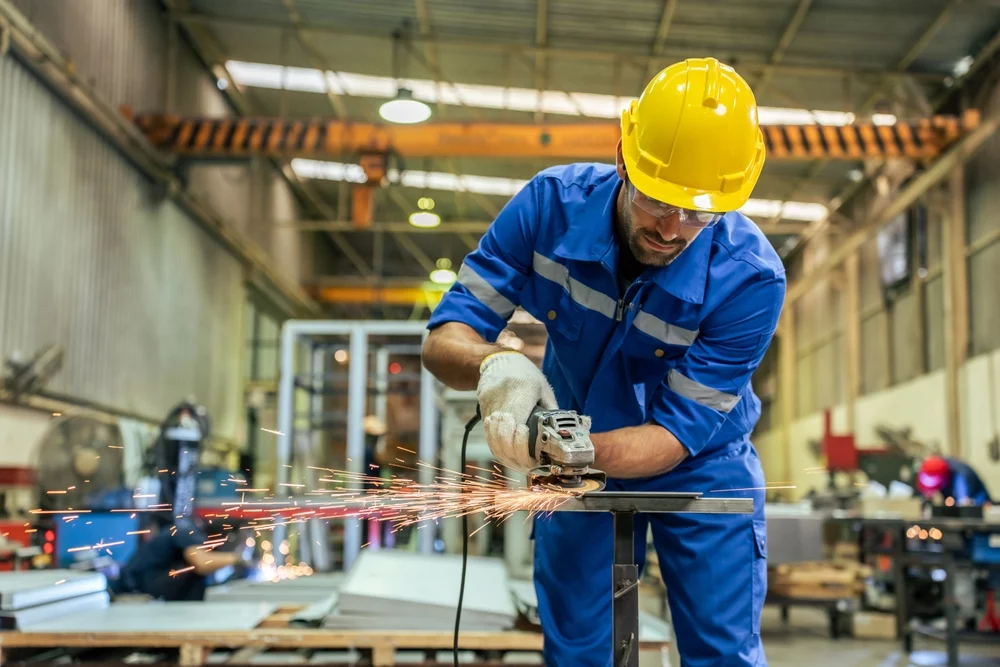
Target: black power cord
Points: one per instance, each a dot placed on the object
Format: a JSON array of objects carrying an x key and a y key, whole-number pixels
[{"x": 465, "y": 537}]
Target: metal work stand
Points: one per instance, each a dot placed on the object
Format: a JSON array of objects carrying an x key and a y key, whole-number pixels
[{"x": 625, "y": 573}]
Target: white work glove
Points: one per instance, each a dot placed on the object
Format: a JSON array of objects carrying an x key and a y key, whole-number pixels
[{"x": 510, "y": 387}]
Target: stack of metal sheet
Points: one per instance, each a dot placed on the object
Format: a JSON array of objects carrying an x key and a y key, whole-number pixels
[
  {"x": 162, "y": 617},
  {"x": 36, "y": 596},
  {"x": 395, "y": 590},
  {"x": 302, "y": 590},
  {"x": 794, "y": 534}
]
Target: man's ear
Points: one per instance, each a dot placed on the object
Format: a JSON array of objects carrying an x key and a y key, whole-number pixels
[{"x": 620, "y": 161}]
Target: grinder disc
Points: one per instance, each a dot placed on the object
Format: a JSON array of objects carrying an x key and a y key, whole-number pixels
[
  {"x": 588, "y": 482},
  {"x": 586, "y": 485}
]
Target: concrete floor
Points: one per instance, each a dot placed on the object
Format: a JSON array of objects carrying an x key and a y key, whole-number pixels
[{"x": 806, "y": 641}]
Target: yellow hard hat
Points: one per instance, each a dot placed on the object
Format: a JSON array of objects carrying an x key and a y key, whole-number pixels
[{"x": 692, "y": 139}]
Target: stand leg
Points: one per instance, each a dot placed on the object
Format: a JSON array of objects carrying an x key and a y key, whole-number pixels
[
  {"x": 900, "y": 583},
  {"x": 625, "y": 587},
  {"x": 951, "y": 613}
]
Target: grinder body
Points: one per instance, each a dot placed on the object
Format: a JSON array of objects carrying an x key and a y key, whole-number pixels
[{"x": 559, "y": 440}]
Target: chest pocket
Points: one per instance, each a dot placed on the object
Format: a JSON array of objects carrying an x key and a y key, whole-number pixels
[
  {"x": 652, "y": 347},
  {"x": 548, "y": 299},
  {"x": 565, "y": 318}
]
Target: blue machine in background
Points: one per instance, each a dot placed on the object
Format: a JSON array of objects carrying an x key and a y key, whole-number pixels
[{"x": 98, "y": 540}]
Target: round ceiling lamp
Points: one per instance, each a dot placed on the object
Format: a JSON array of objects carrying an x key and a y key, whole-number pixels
[{"x": 405, "y": 110}]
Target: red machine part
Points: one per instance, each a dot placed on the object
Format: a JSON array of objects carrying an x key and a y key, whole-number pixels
[{"x": 840, "y": 450}]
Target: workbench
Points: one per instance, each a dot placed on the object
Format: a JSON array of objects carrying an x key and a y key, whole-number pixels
[
  {"x": 956, "y": 535},
  {"x": 380, "y": 647}
]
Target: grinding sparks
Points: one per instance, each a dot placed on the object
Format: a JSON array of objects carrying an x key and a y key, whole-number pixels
[
  {"x": 405, "y": 502},
  {"x": 174, "y": 573},
  {"x": 756, "y": 488}
]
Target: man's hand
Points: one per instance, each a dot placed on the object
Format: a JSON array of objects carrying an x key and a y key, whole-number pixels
[{"x": 510, "y": 387}]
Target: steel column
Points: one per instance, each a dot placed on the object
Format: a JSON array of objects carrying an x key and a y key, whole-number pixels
[
  {"x": 286, "y": 400},
  {"x": 357, "y": 399},
  {"x": 428, "y": 447},
  {"x": 382, "y": 383}
]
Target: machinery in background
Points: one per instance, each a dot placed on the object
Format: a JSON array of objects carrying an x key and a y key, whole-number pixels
[
  {"x": 24, "y": 377},
  {"x": 893, "y": 462},
  {"x": 80, "y": 466}
]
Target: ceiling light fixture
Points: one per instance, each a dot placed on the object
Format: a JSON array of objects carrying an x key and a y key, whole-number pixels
[
  {"x": 963, "y": 66},
  {"x": 404, "y": 109},
  {"x": 443, "y": 275},
  {"x": 425, "y": 219}
]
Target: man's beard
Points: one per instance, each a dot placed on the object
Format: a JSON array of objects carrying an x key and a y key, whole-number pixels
[{"x": 643, "y": 254}]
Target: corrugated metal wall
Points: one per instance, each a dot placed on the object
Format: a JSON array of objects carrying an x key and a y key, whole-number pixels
[
  {"x": 147, "y": 306},
  {"x": 983, "y": 213},
  {"x": 121, "y": 48}
]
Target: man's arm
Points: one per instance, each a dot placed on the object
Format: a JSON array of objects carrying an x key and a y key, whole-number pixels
[
  {"x": 207, "y": 562},
  {"x": 637, "y": 451},
  {"x": 453, "y": 353},
  {"x": 695, "y": 398}
]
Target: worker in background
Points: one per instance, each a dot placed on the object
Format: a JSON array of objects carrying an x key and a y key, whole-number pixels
[
  {"x": 174, "y": 563},
  {"x": 659, "y": 299},
  {"x": 944, "y": 477}
]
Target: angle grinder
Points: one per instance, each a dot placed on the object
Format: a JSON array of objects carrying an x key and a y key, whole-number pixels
[{"x": 560, "y": 441}]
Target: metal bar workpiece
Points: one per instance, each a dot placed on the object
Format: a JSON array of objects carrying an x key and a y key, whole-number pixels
[{"x": 655, "y": 503}]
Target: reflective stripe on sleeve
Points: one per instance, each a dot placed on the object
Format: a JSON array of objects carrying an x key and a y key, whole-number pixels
[
  {"x": 699, "y": 393},
  {"x": 485, "y": 292},
  {"x": 587, "y": 297},
  {"x": 660, "y": 330}
]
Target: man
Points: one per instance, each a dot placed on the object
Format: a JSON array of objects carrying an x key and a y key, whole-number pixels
[
  {"x": 659, "y": 301},
  {"x": 951, "y": 478},
  {"x": 174, "y": 563}
]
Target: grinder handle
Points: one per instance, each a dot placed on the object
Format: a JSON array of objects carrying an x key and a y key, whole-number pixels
[{"x": 533, "y": 429}]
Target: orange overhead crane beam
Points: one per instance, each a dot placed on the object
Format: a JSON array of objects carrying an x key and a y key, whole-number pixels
[
  {"x": 389, "y": 295},
  {"x": 244, "y": 137}
]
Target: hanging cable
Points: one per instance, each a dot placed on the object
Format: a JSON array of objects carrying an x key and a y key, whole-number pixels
[{"x": 465, "y": 537}]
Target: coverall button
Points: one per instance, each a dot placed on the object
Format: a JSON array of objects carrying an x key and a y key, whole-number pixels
[
  {"x": 659, "y": 352},
  {"x": 551, "y": 315}
]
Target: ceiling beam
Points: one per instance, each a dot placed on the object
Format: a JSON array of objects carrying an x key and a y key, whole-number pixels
[
  {"x": 912, "y": 53},
  {"x": 541, "y": 36},
  {"x": 956, "y": 155},
  {"x": 592, "y": 55},
  {"x": 316, "y": 58},
  {"x": 217, "y": 138},
  {"x": 662, "y": 28},
  {"x": 211, "y": 53},
  {"x": 787, "y": 36},
  {"x": 778, "y": 228},
  {"x": 981, "y": 59}
]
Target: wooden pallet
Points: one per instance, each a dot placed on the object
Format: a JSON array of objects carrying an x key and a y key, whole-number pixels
[{"x": 274, "y": 633}]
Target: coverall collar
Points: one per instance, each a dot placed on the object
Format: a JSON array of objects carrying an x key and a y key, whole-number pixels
[{"x": 591, "y": 238}]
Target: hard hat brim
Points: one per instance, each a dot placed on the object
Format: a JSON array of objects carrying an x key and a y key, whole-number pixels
[{"x": 679, "y": 195}]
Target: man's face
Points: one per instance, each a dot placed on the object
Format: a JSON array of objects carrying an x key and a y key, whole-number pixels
[{"x": 654, "y": 240}]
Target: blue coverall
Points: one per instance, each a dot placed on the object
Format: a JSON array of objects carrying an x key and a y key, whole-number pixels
[
  {"x": 965, "y": 484},
  {"x": 676, "y": 348}
]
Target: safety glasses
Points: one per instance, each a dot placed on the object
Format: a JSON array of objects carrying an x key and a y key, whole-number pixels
[{"x": 688, "y": 217}]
